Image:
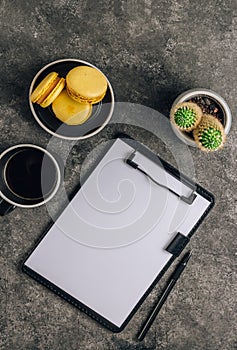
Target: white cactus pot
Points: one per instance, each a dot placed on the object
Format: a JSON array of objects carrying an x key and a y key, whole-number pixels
[{"x": 189, "y": 94}]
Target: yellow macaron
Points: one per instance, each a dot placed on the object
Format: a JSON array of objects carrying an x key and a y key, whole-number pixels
[
  {"x": 70, "y": 111},
  {"x": 86, "y": 84},
  {"x": 48, "y": 90}
]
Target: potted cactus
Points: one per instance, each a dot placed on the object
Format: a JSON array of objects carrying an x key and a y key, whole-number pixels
[
  {"x": 191, "y": 128},
  {"x": 186, "y": 116},
  {"x": 209, "y": 134}
]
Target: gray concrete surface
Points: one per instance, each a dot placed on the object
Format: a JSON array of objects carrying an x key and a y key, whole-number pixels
[{"x": 151, "y": 51}]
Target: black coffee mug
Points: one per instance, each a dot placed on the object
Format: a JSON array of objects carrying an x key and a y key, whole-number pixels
[{"x": 29, "y": 177}]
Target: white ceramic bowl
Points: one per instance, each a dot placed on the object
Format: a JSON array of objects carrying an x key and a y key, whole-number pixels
[{"x": 101, "y": 112}]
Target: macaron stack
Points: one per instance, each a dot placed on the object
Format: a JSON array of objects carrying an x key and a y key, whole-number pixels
[
  {"x": 85, "y": 86},
  {"x": 48, "y": 90}
]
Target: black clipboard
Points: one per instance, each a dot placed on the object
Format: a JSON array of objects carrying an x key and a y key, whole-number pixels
[{"x": 170, "y": 249}]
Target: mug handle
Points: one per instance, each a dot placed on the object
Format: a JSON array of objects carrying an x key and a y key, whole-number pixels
[{"x": 5, "y": 207}]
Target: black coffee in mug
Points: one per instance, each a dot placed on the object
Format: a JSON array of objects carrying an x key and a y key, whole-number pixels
[
  {"x": 29, "y": 177},
  {"x": 30, "y": 174}
]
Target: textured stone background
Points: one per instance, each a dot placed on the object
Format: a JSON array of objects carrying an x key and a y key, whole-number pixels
[{"x": 151, "y": 51}]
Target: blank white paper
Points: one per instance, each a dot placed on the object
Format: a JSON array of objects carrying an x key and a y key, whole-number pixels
[{"x": 108, "y": 245}]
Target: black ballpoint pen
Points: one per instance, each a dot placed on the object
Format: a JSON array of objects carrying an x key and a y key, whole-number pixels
[{"x": 173, "y": 279}]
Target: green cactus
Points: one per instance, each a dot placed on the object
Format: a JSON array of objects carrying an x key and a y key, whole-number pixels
[
  {"x": 186, "y": 116},
  {"x": 209, "y": 134}
]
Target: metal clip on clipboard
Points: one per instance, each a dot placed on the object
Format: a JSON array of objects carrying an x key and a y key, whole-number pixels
[{"x": 189, "y": 200}]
